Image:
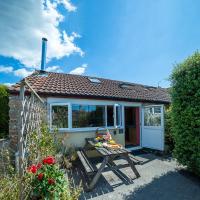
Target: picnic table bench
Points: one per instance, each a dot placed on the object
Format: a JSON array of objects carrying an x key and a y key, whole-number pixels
[{"x": 108, "y": 155}]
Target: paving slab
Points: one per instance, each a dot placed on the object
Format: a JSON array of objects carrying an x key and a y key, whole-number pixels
[{"x": 161, "y": 179}]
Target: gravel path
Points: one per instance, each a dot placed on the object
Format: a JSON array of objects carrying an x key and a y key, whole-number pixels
[{"x": 161, "y": 179}]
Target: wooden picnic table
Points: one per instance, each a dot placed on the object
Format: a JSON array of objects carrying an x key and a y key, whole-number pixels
[{"x": 108, "y": 155}]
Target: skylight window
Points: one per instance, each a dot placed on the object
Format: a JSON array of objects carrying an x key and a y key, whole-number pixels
[
  {"x": 94, "y": 80},
  {"x": 127, "y": 86},
  {"x": 149, "y": 88}
]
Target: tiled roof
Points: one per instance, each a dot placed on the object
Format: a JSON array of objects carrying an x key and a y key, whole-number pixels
[{"x": 68, "y": 85}]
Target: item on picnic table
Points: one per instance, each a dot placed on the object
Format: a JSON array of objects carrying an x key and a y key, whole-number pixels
[
  {"x": 97, "y": 139},
  {"x": 111, "y": 142},
  {"x": 98, "y": 144},
  {"x": 103, "y": 136},
  {"x": 114, "y": 146},
  {"x": 105, "y": 144}
]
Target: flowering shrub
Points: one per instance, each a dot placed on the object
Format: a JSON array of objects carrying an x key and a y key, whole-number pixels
[
  {"x": 43, "y": 180},
  {"x": 47, "y": 179},
  {"x": 50, "y": 160}
]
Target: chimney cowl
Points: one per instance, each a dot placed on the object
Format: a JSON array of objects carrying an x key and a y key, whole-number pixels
[{"x": 44, "y": 39}]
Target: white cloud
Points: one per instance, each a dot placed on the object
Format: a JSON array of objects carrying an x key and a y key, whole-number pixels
[
  {"x": 79, "y": 70},
  {"x": 23, "y": 72},
  {"x": 6, "y": 69},
  {"x": 54, "y": 69},
  {"x": 8, "y": 84},
  {"x": 68, "y": 5},
  {"x": 25, "y": 22}
]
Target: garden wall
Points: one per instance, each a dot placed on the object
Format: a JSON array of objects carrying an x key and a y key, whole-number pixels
[{"x": 14, "y": 105}]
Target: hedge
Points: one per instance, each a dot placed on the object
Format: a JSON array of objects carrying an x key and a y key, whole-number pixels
[
  {"x": 185, "y": 93},
  {"x": 4, "y": 109},
  {"x": 168, "y": 129}
]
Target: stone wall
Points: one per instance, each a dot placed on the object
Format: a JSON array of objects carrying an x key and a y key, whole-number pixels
[{"x": 14, "y": 104}]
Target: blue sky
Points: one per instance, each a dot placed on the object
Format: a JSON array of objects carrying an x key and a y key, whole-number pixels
[{"x": 135, "y": 41}]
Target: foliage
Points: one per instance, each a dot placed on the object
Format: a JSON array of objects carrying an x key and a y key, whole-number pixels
[
  {"x": 9, "y": 179},
  {"x": 51, "y": 144},
  {"x": 48, "y": 180},
  {"x": 4, "y": 109},
  {"x": 9, "y": 187},
  {"x": 69, "y": 154},
  {"x": 185, "y": 81},
  {"x": 44, "y": 144},
  {"x": 168, "y": 129}
]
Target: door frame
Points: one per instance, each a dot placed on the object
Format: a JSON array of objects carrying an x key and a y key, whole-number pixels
[{"x": 140, "y": 125}]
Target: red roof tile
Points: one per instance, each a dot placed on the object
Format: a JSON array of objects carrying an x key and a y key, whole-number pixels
[{"x": 59, "y": 84}]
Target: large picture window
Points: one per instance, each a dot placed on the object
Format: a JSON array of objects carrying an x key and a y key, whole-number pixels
[
  {"x": 59, "y": 116},
  {"x": 152, "y": 116},
  {"x": 88, "y": 116},
  {"x": 69, "y": 116}
]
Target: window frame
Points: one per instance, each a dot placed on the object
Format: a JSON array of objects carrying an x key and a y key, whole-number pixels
[
  {"x": 87, "y": 128},
  {"x": 71, "y": 129},
  {"x": 161, "y": 116},
  {"x": 116, "y": 106},
  {"x": 50, "y": 114}
]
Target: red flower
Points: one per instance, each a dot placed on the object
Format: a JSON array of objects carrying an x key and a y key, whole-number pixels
[
  {"x": 33, "y": 169},
  {"x": 51, "y": 181},
  {"x": 40, "y": 176},
  {"x": 39, "y": 165},
  {"x": 50, "y": 160}
]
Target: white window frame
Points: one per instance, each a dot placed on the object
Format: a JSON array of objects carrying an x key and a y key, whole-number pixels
[
  {"x": 161, "y": 115},
  {"x": 50, "y": 114},
  {"x": 71, "y": 129},
  {"x": 116, "y": 106},
  {"x": 86, "y": 128}
]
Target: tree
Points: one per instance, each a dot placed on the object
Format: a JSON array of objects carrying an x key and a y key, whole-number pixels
[
  {"x": 4, "y": 109},
  {"x": 185, "y": 93}
]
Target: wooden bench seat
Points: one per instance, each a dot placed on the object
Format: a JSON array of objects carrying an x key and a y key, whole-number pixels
[
  {"x": 88, "y": 166},
  {"x": 135, "y": 160}
]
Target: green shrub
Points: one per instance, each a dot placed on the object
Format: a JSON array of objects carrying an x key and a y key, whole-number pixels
[
  {"x": 44, "y": 145},
  {"x": 4, "y": 109},
  {"x": 168, "y": 129},
  {"x": 185, "y": 81},
  {"x": 48, "y": 181}
]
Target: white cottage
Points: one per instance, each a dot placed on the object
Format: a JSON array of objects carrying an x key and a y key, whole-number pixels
[{"x": 78, "y": 105}]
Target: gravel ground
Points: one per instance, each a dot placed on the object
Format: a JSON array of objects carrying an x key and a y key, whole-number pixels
[{"x": 161, "y": 179}]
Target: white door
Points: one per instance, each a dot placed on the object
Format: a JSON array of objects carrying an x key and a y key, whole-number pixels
[{"x": 153, "y": 127}]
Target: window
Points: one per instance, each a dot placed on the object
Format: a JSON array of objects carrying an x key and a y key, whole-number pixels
[
  {"x": 157, "y": 109},
  {"x": 110, "y": 116},
  {"x": 59, "y": 116},
  {"x": 152, "y": 116},
  {"x": 88, "y": 116},
  {"x": 77, "y": 116},
  {"x": 94, "y": 80},
  {"x": 118, "y": 114},
  {"x": 127, "y": 86}
]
